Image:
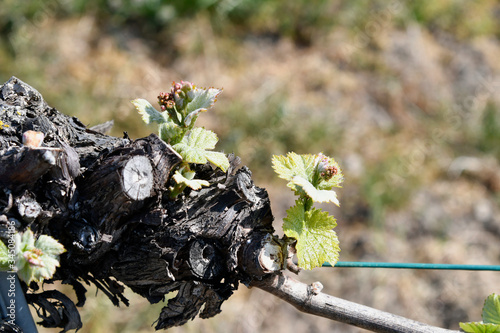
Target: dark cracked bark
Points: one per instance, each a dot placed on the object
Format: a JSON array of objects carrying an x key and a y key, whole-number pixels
[{"x": 106, "y": 200}]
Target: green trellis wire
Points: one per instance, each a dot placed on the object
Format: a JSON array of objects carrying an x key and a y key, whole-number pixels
[{"x": 404, "y": 265}]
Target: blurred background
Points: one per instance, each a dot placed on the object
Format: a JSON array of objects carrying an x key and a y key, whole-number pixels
[{"x": 404, "y": 94}]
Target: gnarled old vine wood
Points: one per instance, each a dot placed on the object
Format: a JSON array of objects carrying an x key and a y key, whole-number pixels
[{"x": 106, "y": 200}]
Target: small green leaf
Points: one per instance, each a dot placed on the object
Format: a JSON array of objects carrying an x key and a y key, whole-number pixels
[
  {"x": 25, "y": 272},
  {"x": 293, "y": 165},
  {"x": 191, "y": 117},
  {"x": 35, "y": 259},
  {"x": 218, "y": 159},
  {"x": 195, "y": 184},
  {"x": 49, "y": 246},
  {"x": 316, "y": 241},
  {"x": 320, "y": 171},
  {"x": 148, "y": 112},
  {"x": 479, "y": 327},
  {"x": 490, "y": 315},
  {"x": 315, "y": 194},
  {"x": 202, "y": 99},
  {"x": 170, "y": 132},
  {"x": 193, "y": 148},
  {"x": 4, "y": 257},
  {"x": 491, "y": 309},
  {"x": 27, "y": 240}
]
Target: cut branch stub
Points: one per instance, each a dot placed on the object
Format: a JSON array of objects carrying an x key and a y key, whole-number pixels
[
  {"x": 137, "y": 178},
  {"x": 119, "y": 186},
  {"x": 21, "y": 167},
  {"x": 205, "y": 260},
  {"x": 196, "y": 244},
  {"x": 28, "y": 208},
  {"x": 262, "y": 254}
]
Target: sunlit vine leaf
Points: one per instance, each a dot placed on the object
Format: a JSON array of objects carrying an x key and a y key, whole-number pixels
[
  {"x": 4, "y": 257},
  {"x": 170, "y": 132},
  {"x": 316, "y": 241},
  {"x": 491, "y": 309},
  {"x": 148, "y": 112},
  {"x": 293, "y": 165},
  {"x": 195, "y": 184},
  {"x": 315, "y": 194},
  {"x": 202, "y": 99},
  {"x": 35, "y": 259},
  {"x": 193, "y": 148},
  {"x": 480, "y": 327},
  {"x": 490, "y": 315},
  {"x": 305, "y": 172}
]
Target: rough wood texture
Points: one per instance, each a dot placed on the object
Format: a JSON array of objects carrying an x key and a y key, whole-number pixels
[
  {"x": 106, "y": 200},
  {"x": 24, "y": 166}
]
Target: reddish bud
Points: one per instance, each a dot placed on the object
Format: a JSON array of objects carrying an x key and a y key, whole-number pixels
[
  {"x": 329, "y": 172},
  {"x": 186, "y": 85},
  {"x": 177, "y": 86},
  {"x": 33, "y": 257}
]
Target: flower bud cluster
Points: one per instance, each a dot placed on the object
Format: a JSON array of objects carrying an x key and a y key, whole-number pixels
[
  {"x": 179, "y": 96},
  {"x": 325, "y": 169},
  {"x": 33, "y": 257}
]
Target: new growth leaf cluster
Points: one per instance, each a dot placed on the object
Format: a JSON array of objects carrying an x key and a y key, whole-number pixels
[
  {"x": 32, "y": 259},
  {"x": 179, "y": 110},
  {"x": 312, "y": 178}
]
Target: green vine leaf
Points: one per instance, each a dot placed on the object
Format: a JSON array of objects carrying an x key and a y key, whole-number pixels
[
  {"x": 193, "y": 148},
  {"x": 316, "y": 241},
  {"x": 491, "y": 309},
  {"x": 148, "y": 112},
  {"x": 293, "y": 165},
  {"x": 202, "y": 100},
  {"x": 4, "y": 258},
  {"x": 180, "y": 108},
  {"x": 170, "y": 132},
  {"x": 35, "y": 260},
  {"x": 195, "y": 184},
  {"x": 309, "y": 174},
  {"x": 218, "y": 159},
  {"x": 192, "y": 116},
  {"x": 479, "y": 327},
  {"x": 312, "y": 177},
  {"x": 315, "y": 194},
  {"x": 490, "y": 315}
]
